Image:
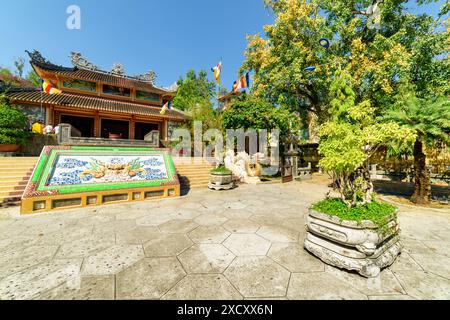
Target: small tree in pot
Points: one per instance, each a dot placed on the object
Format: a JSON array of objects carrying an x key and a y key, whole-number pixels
[
  {"x": 355, "y": 219},
  {"x": 13, "y": 127}
]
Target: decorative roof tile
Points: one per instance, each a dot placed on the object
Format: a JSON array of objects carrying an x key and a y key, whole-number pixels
[{"x": 93, "y": 103}]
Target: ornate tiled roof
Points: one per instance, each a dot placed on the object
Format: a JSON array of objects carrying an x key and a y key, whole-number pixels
[
  {"x": 93, "y": 103},
  {"x": 84, "y": 70}
]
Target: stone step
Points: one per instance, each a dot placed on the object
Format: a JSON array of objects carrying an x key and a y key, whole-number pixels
[
  {"x": 6, "y": 194},
  {"x": 15, "y": 179},
  {"x": 14, "y": 173},
  {"x": 13, "y": 184},
  {"x": 189, "y": 174},
  {"x": 13, "y": 188}
]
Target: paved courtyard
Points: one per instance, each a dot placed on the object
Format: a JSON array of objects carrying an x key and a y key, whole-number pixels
[{"x": 240, "y": 244}]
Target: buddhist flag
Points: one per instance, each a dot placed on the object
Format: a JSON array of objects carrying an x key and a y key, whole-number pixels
[
  {"x": 242, "y": 83},
  {"x": 48, "y": 88},
  {"x": 217, "y": 70},
  {"x": 166, "y": 107}
]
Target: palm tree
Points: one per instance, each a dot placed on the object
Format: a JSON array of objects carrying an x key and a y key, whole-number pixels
[{"x": 430, "y": 120}]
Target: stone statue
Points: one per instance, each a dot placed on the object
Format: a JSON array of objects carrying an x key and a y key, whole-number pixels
[
  {"x": 118, "y": 69},
  {"x": 80, "y": 62},
  {"x": 247, "y": 169},
  {"x": 149, "y": 77}
]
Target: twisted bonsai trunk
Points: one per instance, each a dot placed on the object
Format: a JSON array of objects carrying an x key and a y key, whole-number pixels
[{"x": 422, "y": 189}]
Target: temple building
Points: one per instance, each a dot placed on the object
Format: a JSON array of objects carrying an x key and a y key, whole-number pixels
[{"x": 100, "y": 106}]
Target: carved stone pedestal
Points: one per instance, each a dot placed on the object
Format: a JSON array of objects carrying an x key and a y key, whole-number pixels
[
  {"x": 227, "y": 186},
  {"x": 363, "y": 247}
]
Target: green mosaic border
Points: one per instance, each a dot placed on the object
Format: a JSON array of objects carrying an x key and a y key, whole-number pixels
[{"x": 45, "y": 165}]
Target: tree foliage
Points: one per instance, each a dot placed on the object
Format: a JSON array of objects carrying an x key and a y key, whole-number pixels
[
  {"x": 248, "y": 112},
  {"x": 194, "y": 90},
  {"x": 429, "y": 119},
  {"x": 13, "y": 124},
  {"x": 350, "y": 137},
  {"x": 408, "y": 54}
]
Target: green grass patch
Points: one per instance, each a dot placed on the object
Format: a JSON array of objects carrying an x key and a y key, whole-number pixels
[
  {"x": 376, "y": 212},
  {"x": 221, "y": 170}
]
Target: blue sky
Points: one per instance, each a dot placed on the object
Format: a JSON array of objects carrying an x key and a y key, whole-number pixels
[{"x": 168, "y": 36}]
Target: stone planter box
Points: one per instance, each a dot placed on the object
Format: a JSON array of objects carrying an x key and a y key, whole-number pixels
[
  {"x": 220, "y": 181},
  {"x": 9, "y": 147},
  {"x": 363, "y": 247}
]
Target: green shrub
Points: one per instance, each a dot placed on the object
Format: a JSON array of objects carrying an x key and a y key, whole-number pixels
[
  {"x": 13, "y": 124},
  {"x": 374, "y": 211},
  {"x": 221, "y": 170}
]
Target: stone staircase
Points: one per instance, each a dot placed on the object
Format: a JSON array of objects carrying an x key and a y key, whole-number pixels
[
  {"x": 14, "y": 175},
  {"x": 193, "y": 172}
]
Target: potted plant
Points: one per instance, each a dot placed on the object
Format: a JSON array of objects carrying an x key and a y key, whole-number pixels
[
  {"x": 354, "y": 231},
  {"x": 221, "y": 178},
  {"x": 13, "y": 127}
]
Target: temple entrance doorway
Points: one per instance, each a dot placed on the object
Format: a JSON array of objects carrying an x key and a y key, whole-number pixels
[
  {"x": 142, "y": 129},
  {"x": 115, "y": 129},
  {"x": 83, "y": 124}
]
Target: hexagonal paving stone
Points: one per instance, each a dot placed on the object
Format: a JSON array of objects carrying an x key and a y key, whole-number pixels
[
  {"x": 86, "y": 246},
  {"x": 295, "y": 258},
  {"x": 38, "y": 279},
  {"x": 192, "y": 205},
  {"x": 269, "y": 219},
  {"x": 241, "y": 226},
  {"x": 112, "y": 260},
  {"x": 386, "y": 283},
  {"x": 258, "y": 277},
  {"x": 206, "y": 258},
  {"x": 236, "y": 205},
  {"x": 203, "y": 287},
  {"x": 96, "y": 219},
  {"x": 18, "y": 259},
  {"x": 321, "y": 286},
  {"x": 90, "y": 288},
  {"x": 184, "y": 214},
  {"x": 69, "y": 234},
  {"x": 167, "y": 245},
  {"x": 178, "y": 226},
  {"x": 154, "y": 220},
  {"x": 404, "y": 262},
  {"x": 205, "y": 234},
  {"x": 149, "y": 278},
  {"x": 137, "y": 235},
  {"x": 208, "y": 219},
  {"x": 278, "y": 234},
  {"x": 434, "y": 263},
  {"x": 247, "y": 245},
  {"x": 115, "y": 226},
  {"x": 237, "y": 214},
  {"x": 424, "y": 285}
]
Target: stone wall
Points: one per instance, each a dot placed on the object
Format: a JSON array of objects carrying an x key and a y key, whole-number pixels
[{"x": 35, "y": 144}]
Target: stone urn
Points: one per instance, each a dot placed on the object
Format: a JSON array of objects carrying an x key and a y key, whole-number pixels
[
  {"x": 9, "y": 147},
  {"x": 364, "y": 247},
  {"x": 221, "y": 179}
]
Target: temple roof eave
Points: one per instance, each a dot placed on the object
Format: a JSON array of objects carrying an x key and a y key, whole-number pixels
[
  {"x": 37, "y": 61},
  {"x": 93, "y": 103}
]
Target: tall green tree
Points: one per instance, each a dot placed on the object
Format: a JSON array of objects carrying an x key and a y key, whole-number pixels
[
  {"x": 194, "y": 90},
  {"x": 408, "y": 54},
  {"x": 250, "y": 112},
  {"x": 430, "y": 120}
]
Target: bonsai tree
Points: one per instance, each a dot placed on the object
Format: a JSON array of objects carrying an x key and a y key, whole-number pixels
[
  {"x": 430, "y": 120},
  {"x": 13, "y": 124},
  {"x": 350, "y": 137}
]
